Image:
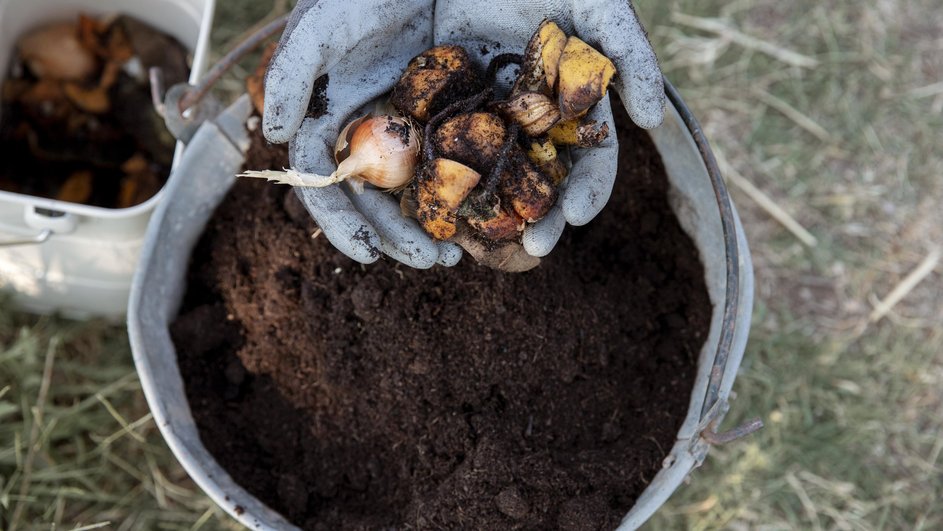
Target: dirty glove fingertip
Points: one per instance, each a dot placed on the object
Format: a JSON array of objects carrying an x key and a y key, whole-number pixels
[
  {"x": 450, "y": 254},
  {"x": 540, "y": 238}
]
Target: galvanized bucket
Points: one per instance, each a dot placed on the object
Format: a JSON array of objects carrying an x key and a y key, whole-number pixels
[{"x": 698, "y": 196}]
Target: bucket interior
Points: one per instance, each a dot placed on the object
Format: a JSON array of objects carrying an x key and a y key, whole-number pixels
[{"x": 184, "y": 20}]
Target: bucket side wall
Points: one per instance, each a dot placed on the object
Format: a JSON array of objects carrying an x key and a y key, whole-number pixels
[
  {"x": 694, "y": 202},
  {"x": 206, "y": 173}
]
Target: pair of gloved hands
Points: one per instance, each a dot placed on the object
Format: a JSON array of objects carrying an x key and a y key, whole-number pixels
[{"x": 363, "y": 48}]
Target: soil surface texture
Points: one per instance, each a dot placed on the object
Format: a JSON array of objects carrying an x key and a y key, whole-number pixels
[{"x": 381, "y": 397}]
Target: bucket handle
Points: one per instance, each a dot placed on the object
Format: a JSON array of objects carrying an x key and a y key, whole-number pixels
[
  {"x": 47, "y": 222},
  {"x": 39, "y": 238},
  {"x": 714, "y": 403}
]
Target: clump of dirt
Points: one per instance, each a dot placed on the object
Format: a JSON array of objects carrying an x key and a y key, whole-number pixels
[
  {"x": 78, "y": 123},
  {"x": 367, "y": 397}
]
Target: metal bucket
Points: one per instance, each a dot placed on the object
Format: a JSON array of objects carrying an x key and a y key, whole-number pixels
[
  {"x": 698, "y": 196},
  {"x": 78, "y": 259}
]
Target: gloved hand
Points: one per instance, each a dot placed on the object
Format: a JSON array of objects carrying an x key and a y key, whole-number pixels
[
  {"x": 364, "y": 47},
  {"x": 505, "y": 26}
]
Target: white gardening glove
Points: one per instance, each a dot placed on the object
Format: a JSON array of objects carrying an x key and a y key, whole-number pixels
[
  {"x": 506, "y": 26},
  {"x": 362, "y": 48}
]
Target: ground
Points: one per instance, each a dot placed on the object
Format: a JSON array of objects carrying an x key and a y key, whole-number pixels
[{"x": 827, "y": 118}]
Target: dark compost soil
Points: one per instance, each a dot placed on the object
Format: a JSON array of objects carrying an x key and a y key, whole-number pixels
[{"x": 352, "y": 397}]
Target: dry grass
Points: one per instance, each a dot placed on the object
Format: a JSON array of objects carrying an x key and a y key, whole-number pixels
[
  {"x": 78, "y": 447},
  {"x": 77, "y": 444},
  {"x": 833, "y": 111}
]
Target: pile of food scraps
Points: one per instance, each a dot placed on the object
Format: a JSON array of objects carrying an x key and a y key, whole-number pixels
[
  {"x": 77, "y": 121},
  {"x": 471, "y": 168}
]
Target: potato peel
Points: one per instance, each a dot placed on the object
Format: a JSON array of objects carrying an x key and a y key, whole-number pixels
[
  {"x": 584, "y": 75},
  {"x": 474, "y": 139},
  {"x": 433, "y": 80},
  {"x": 442, "y": 186},
  {"x": 528, "y": 191},
  {"x": 579, "y": 134},
  {"x": 541, "y": 60}
]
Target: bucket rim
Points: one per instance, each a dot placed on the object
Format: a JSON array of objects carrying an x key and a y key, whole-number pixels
[
  {"x": 712, "y": 400},
  {"x": 721, "y": 357}
]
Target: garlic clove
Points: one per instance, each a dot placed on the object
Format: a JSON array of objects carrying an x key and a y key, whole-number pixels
[
  {"x": 421, "y": 91},
  {"x": 451, "y": 181},
  {"x": 383, "y": 151},
  {"x": 544, "y": 155},
  {"x": 508, "y": 256},
  {"x": 541, "y": 57},
  {"x": 580, "y": 134},
  {"x": 554, "y": 42},
  {"x": 434, "y": 79},
  {"x": 342, "y": 147},
  {"x": 497, "y": 225},
  {"x": 533, "y": 111},
  {"x": 527, "y": 190},
  {"x": 54, "y": 52}
]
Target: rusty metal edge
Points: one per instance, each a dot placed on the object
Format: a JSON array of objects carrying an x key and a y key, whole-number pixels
[{"x": 732, "y": 250}]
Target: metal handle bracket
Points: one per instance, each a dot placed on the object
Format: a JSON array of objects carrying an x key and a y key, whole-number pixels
[{"x": 39, "y": 238}]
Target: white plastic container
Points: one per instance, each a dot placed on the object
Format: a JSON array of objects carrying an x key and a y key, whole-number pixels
[{"x": 85, "y": 265}]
